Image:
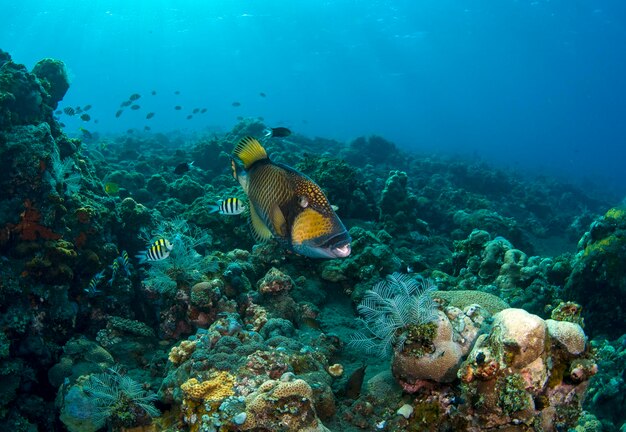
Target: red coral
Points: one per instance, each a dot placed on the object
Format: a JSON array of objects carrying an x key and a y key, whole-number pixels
[
  {"x": 416, "y": 386},
  {"x": 29, "y": 227},
  {"x": 83, "y": 215},
  {"x": 80, "y": 240}
]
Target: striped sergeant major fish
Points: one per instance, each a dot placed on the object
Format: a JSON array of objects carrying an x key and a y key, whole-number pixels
[
  {"x": 92, "y": 288},
  {"x": 124, "y": 262},
  {"x": 158, "y": 251},
  {"x": 114, "y": 269},
  {"x": 229, "y": 206},
  {"x": 121, "y": 262}
]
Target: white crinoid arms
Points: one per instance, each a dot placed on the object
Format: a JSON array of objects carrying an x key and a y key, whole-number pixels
[{"x": 392, "y": 305}]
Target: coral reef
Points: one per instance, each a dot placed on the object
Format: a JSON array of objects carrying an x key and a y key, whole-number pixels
[
  {"x": 605, "y": 397},
  {"x": 21, "y": 96},
  {"x": 225, "y": 334},
  {"x": 394, "y": 312},
  {"x": 494, "y": 265},
  {"x": 435, "y": 353}
]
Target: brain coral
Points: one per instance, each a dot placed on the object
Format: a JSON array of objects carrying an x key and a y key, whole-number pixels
[
  {"x": 441, "y": 365},
  {"x": 569, "y": 335}
]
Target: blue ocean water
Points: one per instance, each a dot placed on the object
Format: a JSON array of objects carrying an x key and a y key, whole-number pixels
[{"x": 533, "y": 85}]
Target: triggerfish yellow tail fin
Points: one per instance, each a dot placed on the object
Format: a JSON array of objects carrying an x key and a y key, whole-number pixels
[{"x": 249, "y": 151}]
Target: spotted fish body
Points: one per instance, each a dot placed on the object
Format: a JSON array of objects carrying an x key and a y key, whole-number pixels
[{"x": 288, "y": 206}]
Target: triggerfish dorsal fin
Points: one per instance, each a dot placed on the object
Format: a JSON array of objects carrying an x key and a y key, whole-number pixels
[{"x": 249, "y": 151}]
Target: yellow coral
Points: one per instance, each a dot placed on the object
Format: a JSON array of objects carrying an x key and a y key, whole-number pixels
[
  {"x": 599, "y": 246},
  {"x": 218, "y": 387},
  {"x": 335, "y": 370},
  {"x": 615, "y": 213},
  {"x": 267, "y": 386},
  {"x": 278, "y": 390},
  {"x": 182, "y": 352}
]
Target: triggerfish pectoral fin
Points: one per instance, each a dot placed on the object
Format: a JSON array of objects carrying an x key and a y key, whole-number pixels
[
  {"x": 260, "y": 231},
  {"x": 279, "y": 223},
  {"x": 239, "y": 175}
]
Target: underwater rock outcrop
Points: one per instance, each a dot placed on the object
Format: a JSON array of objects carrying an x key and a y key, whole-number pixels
[
  {"x": 598, "y": 278},
  {"x": 55, "y": 236},
  {"x": 53, "y": 76},
  {"x": 495, "y": 265},
  {"x": 527, "y": 371},
  {"x": 21, "y": 96},
  {"x": 519, "y": 373},
  {"x": 433, "y": 351}
]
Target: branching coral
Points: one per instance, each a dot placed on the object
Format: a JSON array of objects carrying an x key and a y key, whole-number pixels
[{"x": 390, "y": 308}]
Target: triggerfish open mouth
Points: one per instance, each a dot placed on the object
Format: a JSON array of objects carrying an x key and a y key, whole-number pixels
[
  {"x": 342, "y": 251},
  {"x": 337, "y": 246}
]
